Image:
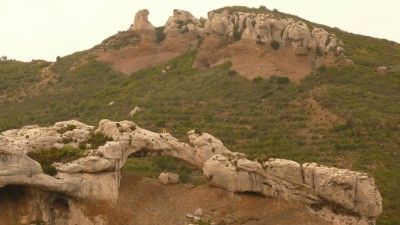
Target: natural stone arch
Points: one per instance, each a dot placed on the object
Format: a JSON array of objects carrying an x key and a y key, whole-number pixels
[{"x": 96, "y": 176}]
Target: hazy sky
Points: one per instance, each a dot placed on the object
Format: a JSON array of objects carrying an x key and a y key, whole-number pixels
[{"x": 44, "y": 29}]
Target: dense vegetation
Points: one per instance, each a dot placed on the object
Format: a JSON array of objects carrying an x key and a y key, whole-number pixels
[{"x": 346, "y": 117}]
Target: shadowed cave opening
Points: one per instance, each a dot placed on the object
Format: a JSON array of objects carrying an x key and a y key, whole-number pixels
[
  {"x": 60, "y": 204},
  {"x": 12, "y": 193}
]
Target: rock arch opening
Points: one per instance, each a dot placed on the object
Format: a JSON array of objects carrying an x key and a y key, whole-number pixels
[
  {"x": 151, "y": 164},
  {"x": 60, "y": 204},
  {"x": 59, "y": 211}
]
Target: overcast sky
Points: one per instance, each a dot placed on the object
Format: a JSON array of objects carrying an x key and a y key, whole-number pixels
[{"x": 45, "y": 29}]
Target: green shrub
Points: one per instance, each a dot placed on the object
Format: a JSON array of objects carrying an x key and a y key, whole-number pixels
[
  {"x": 232, "y": 72},
  {"x": 95, "y": 140},
  {"x": 69, "y": 127},
  {"x": 66, "y": 140},
  {"x": 257, "y": 79},
  {"x": 282, "y": 80},
  {"x": 237, "y": 35},
  {"x": 275, "y": 45},
  {"x": 200, "y": 41},
  {"x": 319, "y": 52},
  {"x": 160, "y": 35},
  {"x": 46, "y": 157}
]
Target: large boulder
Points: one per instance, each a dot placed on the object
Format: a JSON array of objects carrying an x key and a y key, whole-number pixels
[
  {"x": 168, "y": 178},
  {"x": 283, "y": 169},
  {"x": 15, "y": 164},
  {"x": 249, "y": 33}
]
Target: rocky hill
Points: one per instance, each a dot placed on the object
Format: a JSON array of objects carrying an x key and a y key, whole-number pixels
[
  {"x": 248, "y": 88},
  {"x": 257, "y": 44},
  {"x": 336, "y": 195}
]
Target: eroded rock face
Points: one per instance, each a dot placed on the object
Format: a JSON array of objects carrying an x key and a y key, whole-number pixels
[
  {"x": 220, "y": 24},
  {"x": 142, "y": 25},
  {"x": 351, "y": 193},
  {"x": 181, "y": 21},
  {"x": 28, "y": 138},
  {"x": 337, "y": 195}
]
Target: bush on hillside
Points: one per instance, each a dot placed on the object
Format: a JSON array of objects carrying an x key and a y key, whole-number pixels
[
  {"x": 46, "y": 157},
  {"x": 95, "y": 140},
  {"x": 275, "y": 45}
]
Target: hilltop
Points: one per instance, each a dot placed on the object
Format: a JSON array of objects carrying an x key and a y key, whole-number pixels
[{"x": 333, "y": 114}]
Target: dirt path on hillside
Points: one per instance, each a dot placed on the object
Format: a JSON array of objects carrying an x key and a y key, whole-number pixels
[{"x": 147, "y": 202}]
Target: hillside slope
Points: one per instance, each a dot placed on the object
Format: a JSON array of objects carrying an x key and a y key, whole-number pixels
[{"x": 338, "y": 116}]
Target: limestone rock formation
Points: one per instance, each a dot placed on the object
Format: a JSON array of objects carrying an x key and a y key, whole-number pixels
[
  {"x": 296, "y": 35},
  {"x": 383, "y": 70},
  {"x": 168, "y": 178},
  {"x": 142, "y": 25},
  {"x": 337, "y": 195},
  {"x": 351, "y": 193},
  {"x": 181, "y": 21},
  {"x": 267, "y": 28},
  {"x": 28, "y": 138},
  {"x": 220, "y": 24}
]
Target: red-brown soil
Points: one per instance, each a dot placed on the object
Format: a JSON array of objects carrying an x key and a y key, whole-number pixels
[
  {"x": 147, "y": 202},
  {"x": 134, "y": 58}
]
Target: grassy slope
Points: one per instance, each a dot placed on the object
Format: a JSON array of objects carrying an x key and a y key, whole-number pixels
[{"x": 259, "y": 118}]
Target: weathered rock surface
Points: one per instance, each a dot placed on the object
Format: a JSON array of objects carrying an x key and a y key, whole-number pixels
[
  {"x": 142, "y": 25},
  {"x": 267, "y": 28},
  {"x": 245, "y": 39},
  {"x": 168, "y": 178},
  {"x": 181, "y": 21},
  {"x": 337, "y": 195},
  {"x": 383, "y": 70},
  {"x": 351, "y": 193}
]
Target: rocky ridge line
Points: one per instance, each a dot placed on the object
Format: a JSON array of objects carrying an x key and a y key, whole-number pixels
[
  {"x": 337, "y": 195},
  {"x": 262, "y": 28}
]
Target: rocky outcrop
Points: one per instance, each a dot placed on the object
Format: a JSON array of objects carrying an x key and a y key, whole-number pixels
[
  {"x": 265, "y": 28},
  {"x": 168, "y": 178},
  {"x": 142, "y": 25},
  {"x": 337, "y": 195},
  {"x": 334, "y": 194},
  {"x": 181, "y": 21},
  {"x": 383, "y": 70},
  {"x": 257, "y": 44}
]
